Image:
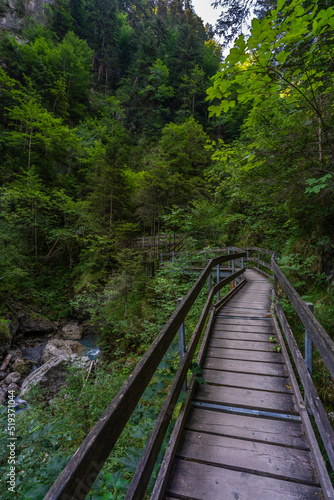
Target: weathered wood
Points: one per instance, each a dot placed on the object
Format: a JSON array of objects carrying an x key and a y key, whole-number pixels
[
  {"x": 247, "y": 398},
  {"x": 250, "y": 336},
  {"x": 248, "y": 427},
  {"x": 240, "y": 344},
  {"x": 78, "y": 476},
  {"x": 145, "y": 467},
  {"x": 247, "y": 355},
  {"x": 222, "y": 321},
  {"x": 165, "y": 468},
  {"x": 258, "y": 261},
  {"x": 244, "y": 366},
  {"x": 246, "y": 328},
  {"x": 325, "y": 482},
  {"x": 320, "y": 416},
  {"x": 228, "y": 296},
  {"x": 217, "y": 483},
  {"x": 250, "y": 456},
  {"x": 320, "y": 338},
  {"x": 247, "y": 380},
  {"x": 6, "y": 362}
]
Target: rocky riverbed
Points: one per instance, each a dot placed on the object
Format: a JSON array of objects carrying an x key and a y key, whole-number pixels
[{"x": 40, "y": 353}]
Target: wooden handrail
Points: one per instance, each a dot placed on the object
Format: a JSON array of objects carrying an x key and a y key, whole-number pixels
[
  {"x": 145, "y": 467},
  {"x": 317, "y": 408},
  {"x": 318, "y": 334},
  {"x": 78, "y": 476}
]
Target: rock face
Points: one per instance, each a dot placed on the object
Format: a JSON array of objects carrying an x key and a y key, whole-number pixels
[
  {"x": 13, "y": 377},
  {"x": 12, "y": 12},
  {"x": 58, "y": 347},
  {"x": 72, "y": 331}
]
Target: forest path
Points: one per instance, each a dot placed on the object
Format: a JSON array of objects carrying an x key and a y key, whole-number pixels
[{"x": 243, "y": 437}]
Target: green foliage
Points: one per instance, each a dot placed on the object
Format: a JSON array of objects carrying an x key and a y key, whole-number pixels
[{"x": 4, "y": 330}]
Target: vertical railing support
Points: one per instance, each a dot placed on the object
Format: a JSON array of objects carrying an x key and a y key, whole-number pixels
[
  {"x": 218, "y": 280},
  {"x": 172, "y": 256},
  {"x": 229, "y": 263},
  {"x": 182, "y": 344},
  {"x": 309, "y": 345},
  {"x": 258, "y": 256},
  {"x": 274, "y": 257},
  {"x": 308, "y": 356},
  {"x": 233, "y": 269}
]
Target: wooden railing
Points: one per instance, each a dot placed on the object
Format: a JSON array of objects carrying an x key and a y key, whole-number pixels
[
  {"x": 78, "y": 476},
  {"x": 315, "y": 335}
]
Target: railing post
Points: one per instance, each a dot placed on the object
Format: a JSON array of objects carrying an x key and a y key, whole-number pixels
[
  {"x": 209, "y": 282},
  {"x": 274, "y": 258},
  {"x": 218, "y": 280},
  {"x": 229, "y": 263},
  {"x": 308, "y": 356},
  {"x": 172, "y": 256},
  {"x": 233, "y": 269},
  {"x": 309, "y": 345},
  {"x": 258, "y": 256},
  {"x": 182, "y": 344}
]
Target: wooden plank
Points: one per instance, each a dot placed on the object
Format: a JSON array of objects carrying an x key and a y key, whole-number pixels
[
  {"x": 248, "y": 427},
  {"x": 246, "y": 380},
  {"x": 247, "y": 398},
  {"x": 319, "y": 413},
  {"x": 264, "y": 337},
  {"x": 95, "y": 449},
  {"x": 191, "y": 480},
  {"x": 324, "y": 479},
  {"x": 274, "y": 357},
  {"x": 242, "y": 328},
  {"x": 250, "y": 456},
  {"x": 245, "y": 366},
  {"x": 242, "y": 321},
  {"x": 240, "y": 344},
  {"x": 242, "y": 312},
  {"x": 165, "y": 468}
]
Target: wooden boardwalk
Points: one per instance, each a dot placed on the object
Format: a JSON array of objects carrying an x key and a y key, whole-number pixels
[{"x": 243, "y": 438}]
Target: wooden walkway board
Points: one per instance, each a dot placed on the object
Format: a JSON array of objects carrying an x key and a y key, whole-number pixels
[{"x": 243, "y": 439}]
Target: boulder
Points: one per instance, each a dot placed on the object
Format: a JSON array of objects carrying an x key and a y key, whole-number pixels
[
  {"x": 72, "y": 331},
  {"x": 13, "y": 387},
  {"x": 3, "y": 375},
  {"x": 36, "y": 325},
  {"x": 58, "y": 347},
  {"x": 13, "y": 378},
  {"x": 34, "y": 354}
]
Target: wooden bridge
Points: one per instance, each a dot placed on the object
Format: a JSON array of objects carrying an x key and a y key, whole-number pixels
[{"x": 246, "y": 433}]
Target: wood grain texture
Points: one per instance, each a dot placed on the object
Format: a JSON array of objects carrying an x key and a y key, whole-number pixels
[
  {"x": 274, "y": 357},
  {"x": 249, "y": 456},
  {"x": 247, "y": 380},
  {"x": 241, "y": 344},
  {"x": 247, "y": 398},
  {"x": 244, "y": 366},
  {"x": 196, "y": 481},
  {"x": 248, "y": 427}
]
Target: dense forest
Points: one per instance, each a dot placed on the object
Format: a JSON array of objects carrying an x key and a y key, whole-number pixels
[{"x": 121, "y": 120}]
